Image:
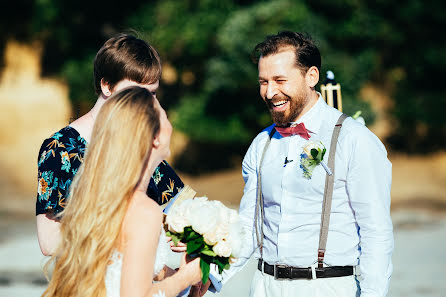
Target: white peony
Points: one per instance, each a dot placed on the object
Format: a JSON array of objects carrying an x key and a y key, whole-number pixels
[
  {"x": 176, "y": 223},
  {"x": 203, "y": 217},
  {"x": 222, "y": 248},
  {"x": 217, "y": 234}
]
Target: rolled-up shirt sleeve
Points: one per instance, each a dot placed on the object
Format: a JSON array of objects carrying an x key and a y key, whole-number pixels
[{"x": 369, "y": 181}]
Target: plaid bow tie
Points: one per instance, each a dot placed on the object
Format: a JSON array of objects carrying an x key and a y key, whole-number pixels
[{"x": 298, "y": 129}]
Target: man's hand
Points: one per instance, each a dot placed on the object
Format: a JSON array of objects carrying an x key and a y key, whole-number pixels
[{"x": 199, "y": 289}]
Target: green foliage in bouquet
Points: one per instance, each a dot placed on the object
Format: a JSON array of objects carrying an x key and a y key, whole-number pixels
[{"x": 197, "y": 247}]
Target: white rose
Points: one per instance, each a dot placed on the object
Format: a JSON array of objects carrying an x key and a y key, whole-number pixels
[
  {"x": 204, "y": 217},
  {"x": 312, "y": 145},
  {"x": 184, "y": 208},
  {"x": 217, "y": 234},
  {"x": 222, "y": 248},
  {"x": 226, "y": 214},
  {"x": 176, "y": 223}
]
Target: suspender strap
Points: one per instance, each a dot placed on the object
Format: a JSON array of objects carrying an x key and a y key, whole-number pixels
[
  {"x": 259, "y": 214},
  {"x": 328, "y": 193}
]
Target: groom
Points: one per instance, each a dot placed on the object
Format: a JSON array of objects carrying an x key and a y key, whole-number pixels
[{"x": 319, "y": 223}]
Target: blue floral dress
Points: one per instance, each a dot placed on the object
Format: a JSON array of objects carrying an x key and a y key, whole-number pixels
[{"x": 59, "y": 159}]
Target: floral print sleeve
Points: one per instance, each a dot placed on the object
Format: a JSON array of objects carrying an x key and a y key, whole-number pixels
[
  {"x": 59, "y": 159},
  {"x": 164, "y": 184}
]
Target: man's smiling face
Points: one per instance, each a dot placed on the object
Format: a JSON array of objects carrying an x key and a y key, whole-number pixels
[{"x": 282, "y": 86}]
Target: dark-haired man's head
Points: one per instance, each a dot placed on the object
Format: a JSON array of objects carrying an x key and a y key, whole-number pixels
[{"x": 289, "y": 65}]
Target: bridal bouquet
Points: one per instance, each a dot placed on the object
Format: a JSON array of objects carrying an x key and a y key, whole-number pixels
[{"x": 211, "y": 231}]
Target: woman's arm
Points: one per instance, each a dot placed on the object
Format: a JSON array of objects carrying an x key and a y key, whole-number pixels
[
  {"x": 48, "y": 233},
  {"x": 56, "y": 169},
  {"x": 142, "y": 228}
]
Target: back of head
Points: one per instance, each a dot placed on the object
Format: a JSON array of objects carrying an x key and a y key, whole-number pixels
[
  {"x": 306, "y": 52},
  {"x": 126, "y": 57},
  {"x": 114, "y": 162}
]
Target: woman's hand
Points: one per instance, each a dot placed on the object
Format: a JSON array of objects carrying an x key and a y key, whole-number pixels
[
  {"x": 179, "y": 248},
  {"x": 198, "y": 290},
  {"x": 191, "y": 267}
]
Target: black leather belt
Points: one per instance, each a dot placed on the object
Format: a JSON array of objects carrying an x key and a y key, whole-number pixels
[{"x": 289, "y": 272}]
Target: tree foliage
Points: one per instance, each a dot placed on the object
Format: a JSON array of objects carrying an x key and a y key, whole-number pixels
[{"x": 205, "y": 45}]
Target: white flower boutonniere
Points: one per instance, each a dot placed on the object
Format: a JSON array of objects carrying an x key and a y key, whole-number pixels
[{"x": 312, "y": 155}]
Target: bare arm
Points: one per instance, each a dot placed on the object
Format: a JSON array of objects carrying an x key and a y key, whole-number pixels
[
  {"x": 142, "y": 231},
  {"x": 48, "y": 233}
]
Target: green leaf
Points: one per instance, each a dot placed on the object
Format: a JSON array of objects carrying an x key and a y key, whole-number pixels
[
  {"x": 323, "y": 153},
  {"x": 190, "y": 234},
  {"x": 205, "y": 269},
  {"x": 209, "y": 252},
  {"x": 314, "y": 153},
  {"x": 194, "y": 245},
  {"x": 175, "y": 237},
  {"x": 222, "y": 263}
]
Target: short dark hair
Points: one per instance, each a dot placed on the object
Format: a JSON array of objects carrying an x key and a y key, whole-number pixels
[
  {"x": 126, "y": 57},
  {"x": 307, "y": 53}
]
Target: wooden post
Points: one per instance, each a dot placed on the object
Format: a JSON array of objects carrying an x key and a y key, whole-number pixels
[{"x": 327, "y": 93}]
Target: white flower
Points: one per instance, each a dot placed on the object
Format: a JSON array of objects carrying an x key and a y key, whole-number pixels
[
  {"x": 222, "y": 248},
  {"x": 203, "y": 217},
  {"x": 312, "y": 145},
  {"x": 176, "y": 223},
  {"x": 217, "y": 234}
]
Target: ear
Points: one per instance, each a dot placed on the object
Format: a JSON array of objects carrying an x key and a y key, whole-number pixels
[
  {"x": 156, "y": 142},
  {"x": 105, "y": 88},
  {"x": 312, "y": 77}
]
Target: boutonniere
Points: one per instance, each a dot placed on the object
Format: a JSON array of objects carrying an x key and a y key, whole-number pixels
[{"x": 313, "y": 155}]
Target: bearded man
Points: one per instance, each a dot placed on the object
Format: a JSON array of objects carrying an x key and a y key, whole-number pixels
[{"x": 316, "y": 201}]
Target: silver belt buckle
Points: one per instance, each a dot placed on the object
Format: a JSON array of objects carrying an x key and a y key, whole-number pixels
[{"x": 275, "y": 270}]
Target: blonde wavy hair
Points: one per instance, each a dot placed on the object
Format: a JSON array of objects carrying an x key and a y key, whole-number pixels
[{"x": 115, "y": 161}]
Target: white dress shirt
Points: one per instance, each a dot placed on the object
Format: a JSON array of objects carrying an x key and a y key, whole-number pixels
[{"x": 360, "y": 231}]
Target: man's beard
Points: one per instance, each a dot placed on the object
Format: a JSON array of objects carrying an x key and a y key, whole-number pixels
[{"x": 297, "y": 104}]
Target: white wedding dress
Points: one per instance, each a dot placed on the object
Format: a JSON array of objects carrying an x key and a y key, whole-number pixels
[{"x": 113, "y": 274}]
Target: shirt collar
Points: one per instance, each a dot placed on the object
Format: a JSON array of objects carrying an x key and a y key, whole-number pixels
[{"x": 312, "y": 119}]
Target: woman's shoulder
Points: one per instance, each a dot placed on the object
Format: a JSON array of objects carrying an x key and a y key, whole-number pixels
[{"x": 143, "y": 210}]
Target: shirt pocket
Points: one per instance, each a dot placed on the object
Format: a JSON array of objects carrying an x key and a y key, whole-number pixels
[{"x": 318, "y": 179}]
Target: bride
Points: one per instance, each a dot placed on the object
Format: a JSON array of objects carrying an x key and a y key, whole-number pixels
[{"x": 113, "y": 243}]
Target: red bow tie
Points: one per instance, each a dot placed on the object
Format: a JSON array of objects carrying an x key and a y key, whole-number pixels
[{"x": 298, "y": 129}]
